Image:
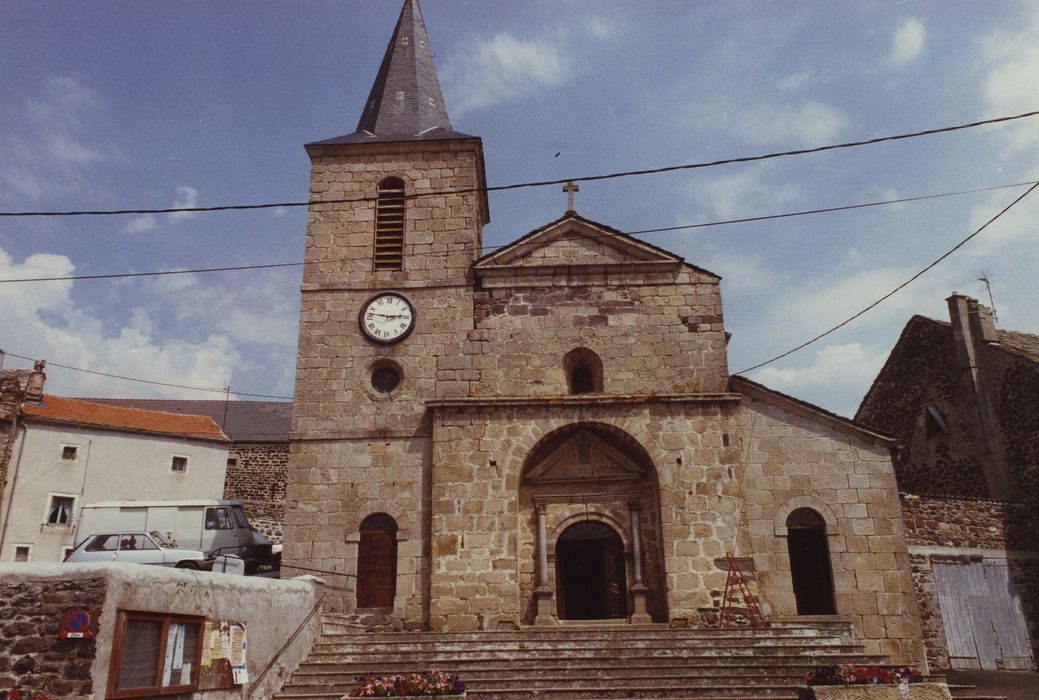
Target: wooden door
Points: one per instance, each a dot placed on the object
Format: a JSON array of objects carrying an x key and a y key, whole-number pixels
[
  {"x": 377, "y": 569},
  {"x": 981, "y": 614}
]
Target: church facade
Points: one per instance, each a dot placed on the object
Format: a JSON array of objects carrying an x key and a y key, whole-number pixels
[{"x": 549, "y": 434}]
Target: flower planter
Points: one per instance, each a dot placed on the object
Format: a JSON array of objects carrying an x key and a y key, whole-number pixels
[{"x": 914, "y": 691}]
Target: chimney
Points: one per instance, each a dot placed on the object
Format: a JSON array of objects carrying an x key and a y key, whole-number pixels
[
  {"x": 34, "y": 384},
  {"x": 982, "y": 326}
]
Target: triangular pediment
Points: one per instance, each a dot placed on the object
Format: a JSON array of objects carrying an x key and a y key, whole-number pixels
[
  {"x": 585, "y": 457},
  {"x": 574, "y": 241}
]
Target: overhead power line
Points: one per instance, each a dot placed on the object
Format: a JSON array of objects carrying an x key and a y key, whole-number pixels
[
  {"x": 896, "y": 289},
  {"x": 214, "y": 390},
  {"x": 537, "y": 183},
  {"x": 665, "y": 229}
]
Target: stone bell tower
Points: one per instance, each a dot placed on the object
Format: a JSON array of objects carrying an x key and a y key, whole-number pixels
[{"x": 394, "y": 226}]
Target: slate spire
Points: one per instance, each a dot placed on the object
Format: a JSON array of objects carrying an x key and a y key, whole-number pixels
[{"x": 406, "y": 101}]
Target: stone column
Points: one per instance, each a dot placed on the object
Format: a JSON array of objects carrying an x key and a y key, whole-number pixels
[
  {"x": 638, "y": 588},
  {"x": 543, "y": 593}
]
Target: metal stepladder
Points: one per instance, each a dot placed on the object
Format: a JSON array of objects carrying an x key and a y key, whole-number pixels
[{"x": 737, "y": 580}]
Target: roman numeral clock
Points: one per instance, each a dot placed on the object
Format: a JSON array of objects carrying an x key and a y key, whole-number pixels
[{"x": 387, "y": 318}]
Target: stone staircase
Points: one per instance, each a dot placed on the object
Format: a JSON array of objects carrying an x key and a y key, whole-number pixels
[{"x": 585, "y": 661}]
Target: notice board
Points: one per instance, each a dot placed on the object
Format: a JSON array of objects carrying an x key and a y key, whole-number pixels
[{"x": 225, "y": 647}]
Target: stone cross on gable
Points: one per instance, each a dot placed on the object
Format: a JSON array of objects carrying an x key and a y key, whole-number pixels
[{"x": 570, "y": 188}]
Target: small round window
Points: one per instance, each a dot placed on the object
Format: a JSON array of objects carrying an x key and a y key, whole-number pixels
[{"x": 385, "y": 377}]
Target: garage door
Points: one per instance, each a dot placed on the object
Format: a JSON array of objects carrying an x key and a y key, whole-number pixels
[{"x": 981, "y": 613}]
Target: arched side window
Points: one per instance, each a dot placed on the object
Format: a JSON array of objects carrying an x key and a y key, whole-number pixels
[
  {"x": 583, "y": 370},
  {"x": 389, "y": 225},
  {"x": 810, "y": 570},
  {"x": 377, "y": 562}
]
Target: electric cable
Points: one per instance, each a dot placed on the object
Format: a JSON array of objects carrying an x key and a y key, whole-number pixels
[
  {"x": 665, "y": 229},
  {"x": 537, "y": 183},
  {"x": 149, "y": 381},
  {"x": 896, "y": 289}
]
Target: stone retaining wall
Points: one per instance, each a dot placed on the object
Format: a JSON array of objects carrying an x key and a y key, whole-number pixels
[{"x": 31, "y": 654}]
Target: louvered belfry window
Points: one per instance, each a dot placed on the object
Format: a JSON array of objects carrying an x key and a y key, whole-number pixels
[{"x": 389, "y": 225}]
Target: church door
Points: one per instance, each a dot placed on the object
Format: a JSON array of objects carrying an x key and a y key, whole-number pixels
[
  {"x": 377, "y": 562},
  {"x": 590, "y": 577},
  {"x": 810, "y": 563}
]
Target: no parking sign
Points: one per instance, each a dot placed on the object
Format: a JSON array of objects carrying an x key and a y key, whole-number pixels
[{"x": 78, "y": 624}]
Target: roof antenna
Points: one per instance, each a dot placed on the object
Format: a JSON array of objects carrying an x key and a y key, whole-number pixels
[{"x": 992, "y": 304}]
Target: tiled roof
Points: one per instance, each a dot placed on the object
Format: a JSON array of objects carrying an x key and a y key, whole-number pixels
[
  {"x": 1024, "y": 343},
  {"x": 65, "y": 410},
  {"x": 406, "y": 102},
  {"x": 241, "y": 421}
]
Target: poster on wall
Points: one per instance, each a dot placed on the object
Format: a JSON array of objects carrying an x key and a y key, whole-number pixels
[{"x": 224, "y": 655}]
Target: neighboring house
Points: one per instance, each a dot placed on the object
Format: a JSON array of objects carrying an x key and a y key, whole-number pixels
[
  {"x": 258, "y": 455},
  {"x": 67, "y": 453},
  {"x": 963, "y": 397}
]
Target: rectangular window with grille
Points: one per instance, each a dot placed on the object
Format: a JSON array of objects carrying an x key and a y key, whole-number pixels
[
  {"x": 179, "y": 464},
  {"x": 69, "y": 452}
]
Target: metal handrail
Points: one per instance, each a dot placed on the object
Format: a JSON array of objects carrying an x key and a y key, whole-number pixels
[{"x": 255, "y": 684}]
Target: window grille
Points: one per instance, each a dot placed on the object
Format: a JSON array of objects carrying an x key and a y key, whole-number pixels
[{"x": 389, "y": 225}]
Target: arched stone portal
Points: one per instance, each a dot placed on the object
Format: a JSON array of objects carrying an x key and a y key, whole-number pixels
[{"x": 590, "y": 536}]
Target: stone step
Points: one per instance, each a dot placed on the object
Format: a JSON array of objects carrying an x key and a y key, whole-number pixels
[
  {"x": 456, "y": 665},
  {"x": 641, "y": 632},
  {"x": 521, "y": 651},
  {"x": 646, "y": 692}
]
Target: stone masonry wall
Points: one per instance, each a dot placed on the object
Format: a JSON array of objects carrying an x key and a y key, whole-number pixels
[
  {"x": 639, "y": 326},
  {"x": 1017, "y": 406},
  {"x": 257, "y": 479},
  {"x": 922, "y": 369},
  {"x": 31, "y": 654},
  {"x": 357, "y": 451},
  {"x": 796, "y": 461},
  {"x": 972, "y": 526}
]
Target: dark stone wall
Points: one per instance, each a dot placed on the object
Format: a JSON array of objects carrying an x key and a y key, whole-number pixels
[
  {"x": 1018, "y": 411},
  {"x": 922, "y": 369},
  {"x": 257, "y": 479},
  {"x": 31, "y": 654},
  {"x": 972, "y": 524}
]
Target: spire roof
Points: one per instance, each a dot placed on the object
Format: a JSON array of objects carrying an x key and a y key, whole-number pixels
[{"x": 406, "y": 102}]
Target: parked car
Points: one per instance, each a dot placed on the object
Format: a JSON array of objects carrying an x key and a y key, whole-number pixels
[{"x": 137, "y": 547}]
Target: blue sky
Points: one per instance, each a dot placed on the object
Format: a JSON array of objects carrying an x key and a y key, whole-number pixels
[{"x": 154, "y": 104}]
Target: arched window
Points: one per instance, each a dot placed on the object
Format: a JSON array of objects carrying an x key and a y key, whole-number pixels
[
  {"x": 583, "y": 371},
  {"x": 810, "y": 570},
  {"x": 389, "y": 225},
  {"x": 377, "y": 562}
]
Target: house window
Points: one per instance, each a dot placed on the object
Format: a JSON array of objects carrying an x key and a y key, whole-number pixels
[
  {"x": 934, "y": 422},
  {"x": 22, "y": 552},
  {"x": 59, "y": 510},
  {"x": 179, "y": 465},
  {"x": 389, "y": 225},
  {"x": 69, "y": 452},
  {"x": 155, "y": 654}
]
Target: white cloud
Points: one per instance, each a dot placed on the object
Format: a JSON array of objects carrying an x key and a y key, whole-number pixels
[
  {"x": 1011, "y": 60},
  {"x": 744, "y": 193},
  {"x": 908, "y": 42},
  {"x": 806, "y": 122},
  {"x": 503, "y": 68},
  {"x": 601, "y": 28},
  {"x": 43, "y": 320},
  {"x": 832, "y": 367},
  {"x": 187, "y": 197},
  {"x": 51, "y": 153},
  {"x": 141, "y": 224}
]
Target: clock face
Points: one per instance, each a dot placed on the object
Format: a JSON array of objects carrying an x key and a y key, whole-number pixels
[{"x": 387, "y": 318}]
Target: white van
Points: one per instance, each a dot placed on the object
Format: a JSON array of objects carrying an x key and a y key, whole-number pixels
[{"x": 214, "y": 526}]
